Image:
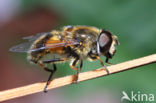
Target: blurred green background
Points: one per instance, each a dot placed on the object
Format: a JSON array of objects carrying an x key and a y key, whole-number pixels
[{"x": 133, "y": 21}]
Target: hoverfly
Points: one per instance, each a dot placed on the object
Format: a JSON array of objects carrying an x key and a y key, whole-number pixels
[{"x": 71, "y": 43}]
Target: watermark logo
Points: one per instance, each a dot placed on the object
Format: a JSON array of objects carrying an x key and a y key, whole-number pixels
[{"x": 137, "y": 96}]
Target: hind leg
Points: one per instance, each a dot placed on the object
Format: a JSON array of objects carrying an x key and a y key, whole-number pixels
[
  {"x": 50, "y": 76},
  {"x": 51, "y": 73}
]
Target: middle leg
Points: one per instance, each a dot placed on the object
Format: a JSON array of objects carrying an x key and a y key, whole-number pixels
[{"x": 73, "y": 64}]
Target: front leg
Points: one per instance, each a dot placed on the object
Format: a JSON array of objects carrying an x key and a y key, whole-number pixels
[
  {"x": 95, "y": 57},
  {"x": 81, "y": 64},
  {"x": 108, "y": 56},
  {"x": 103, "y": 64},
  {"x": 107, "y": 61}
]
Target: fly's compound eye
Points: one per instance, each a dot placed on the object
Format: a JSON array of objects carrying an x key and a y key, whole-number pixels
[{"x": 104, "y": 41}]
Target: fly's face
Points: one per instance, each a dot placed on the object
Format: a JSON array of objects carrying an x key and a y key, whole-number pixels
[{"x": 115, "y": 42}]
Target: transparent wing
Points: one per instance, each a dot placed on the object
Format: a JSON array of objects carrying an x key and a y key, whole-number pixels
[
  {"x": 33, "y": 37},
  {"x": 21, "y": 47},
  {"x": 25, "y": 47}
]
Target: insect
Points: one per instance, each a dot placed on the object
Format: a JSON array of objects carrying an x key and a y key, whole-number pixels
[{"x": 71, "y": 43}]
